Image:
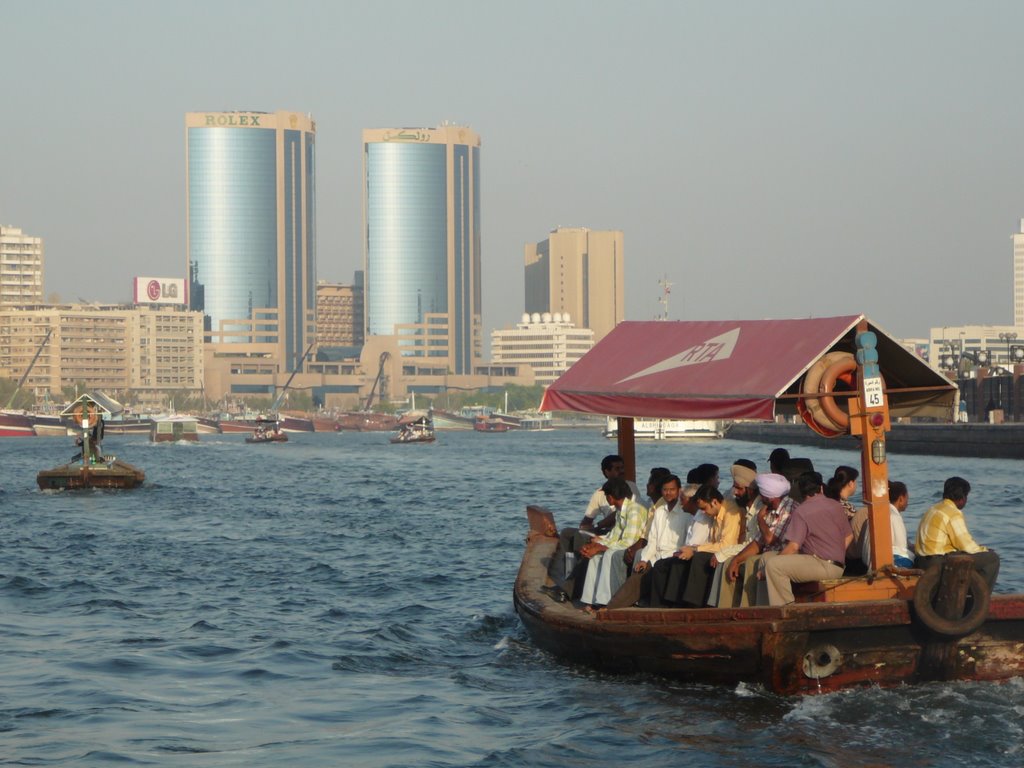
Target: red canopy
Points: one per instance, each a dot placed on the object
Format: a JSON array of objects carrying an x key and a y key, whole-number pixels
[{"x": 731, "y": 369}]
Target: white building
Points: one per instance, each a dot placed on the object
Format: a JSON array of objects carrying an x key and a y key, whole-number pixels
[
  {"x": 21, "y": 267},
  {"x": 548, "y": 343},
  {"x": 959, "y": 348}
]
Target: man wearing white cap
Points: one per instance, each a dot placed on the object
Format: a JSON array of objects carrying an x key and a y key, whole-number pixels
[{"x": 772, "y": 520}]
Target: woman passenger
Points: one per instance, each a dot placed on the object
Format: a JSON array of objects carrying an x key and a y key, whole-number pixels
[{"x": 842, "y": 486}]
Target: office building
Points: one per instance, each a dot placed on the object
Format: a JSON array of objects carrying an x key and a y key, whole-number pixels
[
  {"x": 956, "y": 349},
  {"x": 421, "y": 192},
  {"x": 579, "y": 272},
  {"x": 1018, "y": 276},
  {"x": 21, "y": 267},
  {"x": 339, "y": 313},
  {"x": 251, "y": 233},
  {"x": 144, "y": 348},
  {"x": 548, "y": 343}
]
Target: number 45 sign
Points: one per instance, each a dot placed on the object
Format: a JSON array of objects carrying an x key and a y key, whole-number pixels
[{"x": 873, "y": 397}]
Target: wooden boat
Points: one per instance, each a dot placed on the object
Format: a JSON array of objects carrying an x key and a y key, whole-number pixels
[
  {"x": 842, "y": 375},
  {"x": 489, "y": 424},
  {"x": 415, "y": 427},
  {"x": 267, "y": 432},
  {"x": 91, "y": 469},
  {"x": 170, "y": 429}
]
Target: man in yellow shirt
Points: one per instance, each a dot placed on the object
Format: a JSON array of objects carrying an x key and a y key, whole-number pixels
[{"x": 943, "y": 530}]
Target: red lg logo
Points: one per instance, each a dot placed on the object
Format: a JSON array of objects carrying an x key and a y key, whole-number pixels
[{"x": 153, "y": 290}]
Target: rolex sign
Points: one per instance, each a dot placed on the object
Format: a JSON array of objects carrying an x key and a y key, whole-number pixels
[{"x": 160, "y": 290}]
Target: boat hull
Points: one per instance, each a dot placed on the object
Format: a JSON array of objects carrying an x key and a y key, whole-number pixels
[
  {"x": 113, "y": 474},
  {"x": 793, "y": 649}
]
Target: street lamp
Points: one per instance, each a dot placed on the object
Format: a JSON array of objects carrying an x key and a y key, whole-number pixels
[{"x": 1008, "y": 337}]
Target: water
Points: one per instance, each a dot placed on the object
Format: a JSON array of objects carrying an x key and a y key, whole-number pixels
[{"x": 341, "y": 601}]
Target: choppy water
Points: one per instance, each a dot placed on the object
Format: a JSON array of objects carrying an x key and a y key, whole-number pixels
[{"x": 341, "y": 601}]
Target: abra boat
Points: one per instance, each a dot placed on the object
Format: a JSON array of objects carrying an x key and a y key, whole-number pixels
[
  {"x": 415, "y": 427},
  {"x": 486, "y": 423},
  {"x": 842, "y": 375},
  {"x": 170, "y": 429},
  {"x": 90, "y": 469}
]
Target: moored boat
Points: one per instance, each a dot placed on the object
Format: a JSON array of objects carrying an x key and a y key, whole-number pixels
[
  {"x": 490, "y": 424},
  {"x": 170, "y": 429},
  {"x": 669, "y": 429},
  {"x": 888, "y": 627}
]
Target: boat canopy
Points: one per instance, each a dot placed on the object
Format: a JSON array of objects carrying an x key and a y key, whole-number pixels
[
  {"x": 733, "y": 369},
  {"x": 414, "y": 417}
]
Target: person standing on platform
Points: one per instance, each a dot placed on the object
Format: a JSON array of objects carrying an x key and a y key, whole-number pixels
[{"x": 943, "y": 530}]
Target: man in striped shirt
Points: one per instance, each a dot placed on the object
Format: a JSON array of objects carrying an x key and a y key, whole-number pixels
[{"x": 943, "y": 530}]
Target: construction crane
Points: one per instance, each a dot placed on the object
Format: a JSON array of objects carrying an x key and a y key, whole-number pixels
[
  {"x": 384, "y": 357},
  {"x": 24, "y": 376},
  {"x": 298, "y": 365}
]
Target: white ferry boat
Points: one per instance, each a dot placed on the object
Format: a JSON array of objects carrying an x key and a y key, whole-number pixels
[{"x": 669, "y": 429}]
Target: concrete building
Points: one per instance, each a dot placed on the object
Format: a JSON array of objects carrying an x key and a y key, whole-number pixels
[
  {"x": 955, "y": 349},
  {"x": 421, "y": 208},
  {"x": 21, "y": 267},
  {"x": 251, "y": 233},
  {"x": 580, "y": 272},
  {"x": 548, "y": 343},
  {"x": 1018, "y": 276},
  {"x": 339, "y": 313},
  {"x": 148, "y": 349}
]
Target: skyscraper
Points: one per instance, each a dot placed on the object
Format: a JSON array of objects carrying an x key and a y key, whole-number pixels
[
  {"x": 251, "y": 209},
  {"x": 421, "y": 208},
  {"x": 578, "y": 271},
  {"x": 1018, "y": 277}
]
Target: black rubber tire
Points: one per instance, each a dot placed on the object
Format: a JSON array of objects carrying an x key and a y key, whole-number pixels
[{"x": 924, "y": 599}]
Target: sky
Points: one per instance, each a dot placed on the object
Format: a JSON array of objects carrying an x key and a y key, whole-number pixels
[{"x": 770, "y": 160}]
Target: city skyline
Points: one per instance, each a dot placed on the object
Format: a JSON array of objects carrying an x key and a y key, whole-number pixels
[{"x": 780, "y": 161}]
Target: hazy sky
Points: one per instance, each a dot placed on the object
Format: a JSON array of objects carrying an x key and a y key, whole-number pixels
[{"x": 781, "y": 159}]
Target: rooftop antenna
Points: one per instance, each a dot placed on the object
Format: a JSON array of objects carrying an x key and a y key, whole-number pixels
[{"x": 666, "y": 291}]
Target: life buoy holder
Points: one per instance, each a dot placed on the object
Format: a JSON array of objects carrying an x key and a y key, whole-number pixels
[
  {"x": 83, "y": 412},
  {"x": 976, "y": 608}
]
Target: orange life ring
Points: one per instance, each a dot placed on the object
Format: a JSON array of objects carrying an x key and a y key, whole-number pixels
[
  {"x": 83, "y": 412},
  {"x": 843, "y": 371},
  {"x": 810, "y": 408}
]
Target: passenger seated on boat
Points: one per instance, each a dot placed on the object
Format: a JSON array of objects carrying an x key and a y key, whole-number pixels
[
  {"x": 682, "y": 580},
  {"x": 701, "y": 528},
  {"x": 598, "y": 518},
  {"x": 667, "y": 526},
  {"x": 855, "y": 564},
  {"x": 695, "y": 567},
  {"x": 741, "y": 586},
  {"x": 607, "y": 569},
  {"x": 816, "y": 540},
  {"x": 777, "y": 460},
  {"x": 841, "y": 488},
  {"x": 654, "y": 483},
  {"x": 899, "y": 499},
  {"x": 744, "y": 491},
  {"x": 943, "y": 530}
]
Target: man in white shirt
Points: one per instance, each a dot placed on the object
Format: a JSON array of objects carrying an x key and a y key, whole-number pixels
[{"x": 899, "y": 499}]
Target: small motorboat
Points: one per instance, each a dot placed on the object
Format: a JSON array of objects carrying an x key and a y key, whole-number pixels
[{"x": 415, "y": 427}]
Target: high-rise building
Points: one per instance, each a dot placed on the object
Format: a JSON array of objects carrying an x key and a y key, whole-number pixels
[
  {"x": 1018, "y": 276},
  {"x": 251, "y": 209},
  {"x": 421, "y": 193},
  {"x": 339, "y": 313},
  {"x": 21, "y": 267},
  {"x": 580, "y": 272},
  {"x": 549, "y": 344}
]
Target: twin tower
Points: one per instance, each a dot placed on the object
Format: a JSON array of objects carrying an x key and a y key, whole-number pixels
[{"x": 251, "y": 236}]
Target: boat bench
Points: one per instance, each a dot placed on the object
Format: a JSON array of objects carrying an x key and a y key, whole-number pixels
[{"x": 855, "y": 588}]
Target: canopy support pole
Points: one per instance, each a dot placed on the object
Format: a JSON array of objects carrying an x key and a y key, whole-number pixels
[{"x": 627, "y": 448}]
